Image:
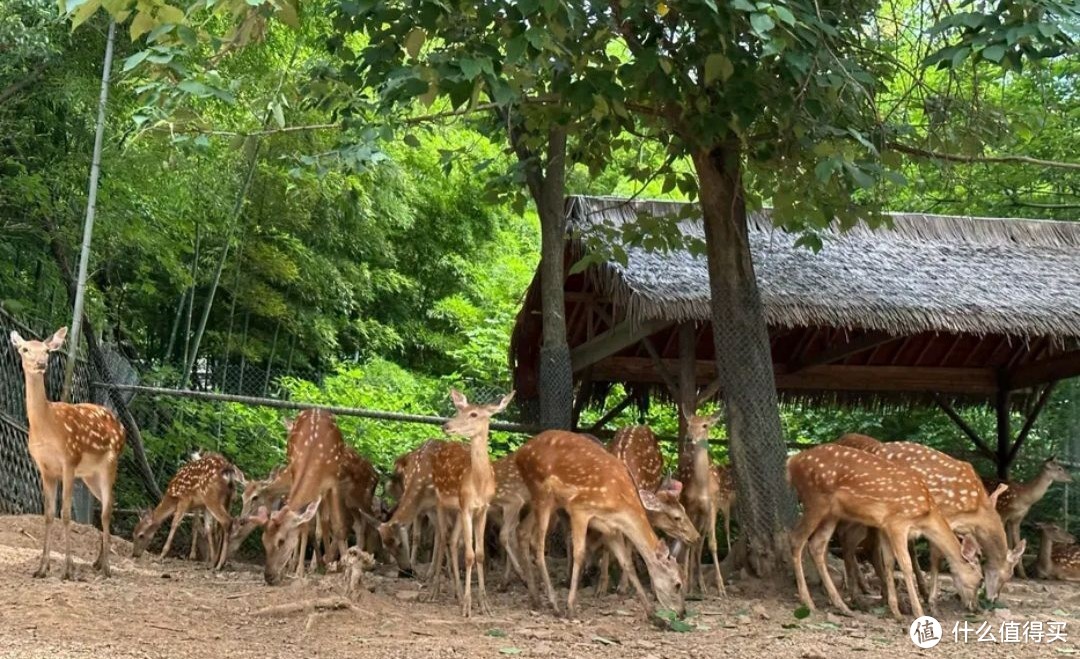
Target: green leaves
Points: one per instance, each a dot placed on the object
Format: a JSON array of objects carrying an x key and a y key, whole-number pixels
[
  {"x": 801, "y": 613},
  {"x": 718, "y": 67},
  {"x": 415, "y": 41},
  {"x": 761, "y": 23}
]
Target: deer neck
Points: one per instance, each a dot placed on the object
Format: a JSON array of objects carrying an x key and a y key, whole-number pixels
[
  {"x": 478, "y": 452},
  {"x": 990, "y": 534},
  {"x": 941, "y": 536},
  {"x": 1036, "y": 488},
  {"x": 635, "y": 526},
  {"x": 38, "y": 411},
  {"x": 701, "y": 463}
]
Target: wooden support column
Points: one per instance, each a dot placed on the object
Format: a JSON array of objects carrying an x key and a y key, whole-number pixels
[
  {"x": 964, "y": 426},
  {"x": 687, "y": 395},
  {"x": 1004, "y": 434},
  {"x": 1033, "y": 416}
]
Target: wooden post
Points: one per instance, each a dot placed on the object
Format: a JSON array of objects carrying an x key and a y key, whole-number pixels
[
  {"x": 687, "y": 395},
  {"x": 1004, "y": 434}
]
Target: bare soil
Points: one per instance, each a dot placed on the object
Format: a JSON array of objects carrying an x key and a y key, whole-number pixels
[{"x": 151, "y": 609}]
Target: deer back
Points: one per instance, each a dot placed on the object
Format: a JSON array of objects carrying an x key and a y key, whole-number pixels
[
  {"x": 508, "y": 483},
  {"x": 637, "y": 447},
  {"x": 87, "y": 429},
  {"x": 955, "y": 486},
  {"x": 316, "y": 452},
  {"x": 861, "y": 442}
]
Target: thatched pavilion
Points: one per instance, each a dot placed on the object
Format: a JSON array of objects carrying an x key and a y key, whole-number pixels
[{"x": 936, "y": 308}]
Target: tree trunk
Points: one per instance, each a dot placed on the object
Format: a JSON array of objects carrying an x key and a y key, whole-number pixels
[{"x": 766, "y": 504}]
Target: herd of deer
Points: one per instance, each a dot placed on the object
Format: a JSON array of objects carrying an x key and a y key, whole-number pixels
[{"x": 879, "y": 496}]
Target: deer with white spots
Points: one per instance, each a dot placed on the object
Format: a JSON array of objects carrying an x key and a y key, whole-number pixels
[
  {"x": 959, "y": 495},
  {"x": 571, "y": 472},
  {"x": 315, "y": 453},
  {"x": 464, "y": 484},
  {"x": 68, "y": 442},
  {"x": 417, "y": 498},
  {"x": 357, "y": 480},
  {"x": 1013, "y": 505},
  {"x": 256, "y": 494},
  {"x": 205, "y": 483},
  {"x": 1059, "y": 555},
  {"x": 703, "y": 496},
  {"x": 511, "y": 498},
  {"x": 837, "y": 483},
  {"x": 639, "y": 450}
]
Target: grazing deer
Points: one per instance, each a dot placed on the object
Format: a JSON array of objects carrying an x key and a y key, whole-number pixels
[
  {"x": 315, "y": 453},
  {"x": 68, "y": 442},
  {"x": 256, "y": 494},
  {"x": 959, "y": 495},
  {"x": 1013, "y": 505},
  {"x": 511, "y": 498},
  {"x": 703, "y": 496},
  {"x": 639, "y": 450},
  {"x": 207, "y": 482},
  {"x": 465, "y": 482},
  {"x": 1059, "y": 555},
  {"x": 417, "y": 497},
  {"x": 568, "y": 471},
  {"x": 837, "y": 483},
  {"x": 357, "y": 480}
]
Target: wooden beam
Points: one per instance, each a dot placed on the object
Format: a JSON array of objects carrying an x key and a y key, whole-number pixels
[
  {"x": 964, "y": 426},
  {"x": 834, "y": 377},
  {"x": 619, "y": 337},
  {"x": 804, "y": 342},
  {"x": 1004, "y": 432},
  {"x": 686, "y": 399},
  {"x": 838, "y": 352},
  {"x": 1058, "y": 367},
  {"x": 612, "y": 413},
  {"x": 1044, "y": 397},
  {"x": 926, "y": 348},
  {"x": 900, "y": 350},
  {"x": 584, "y": 392}
]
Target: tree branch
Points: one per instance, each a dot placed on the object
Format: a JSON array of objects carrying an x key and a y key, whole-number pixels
[{"x": 956, "y": 157}]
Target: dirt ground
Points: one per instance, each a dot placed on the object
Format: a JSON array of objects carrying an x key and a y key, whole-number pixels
[{"x": 151, "y": 609}]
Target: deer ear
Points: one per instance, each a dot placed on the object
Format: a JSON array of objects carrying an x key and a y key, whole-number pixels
[
  {"x": 716, "y": 418},
  {"x": 969, "y": 549},
  {"x": 458, "y": 398},
  {"x": 261, "y": 517},
  {"x": 57, "y": 339},
  {"x": 662, "y": 550},
  {"x": 997, "y": 493},
  {"x": 16, "y": 339},
  {"x": 673, "y": 486},
  {"x": 504, "y": 402},
  {"x": 650, "y": 501},
  {"x": 1017, "y": 553},
  {"x": 288, "y": 423},
  {"x": 308, "y": 513}
]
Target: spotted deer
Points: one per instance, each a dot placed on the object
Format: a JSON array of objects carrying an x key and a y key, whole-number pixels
[
  {"x": 571, "y": 472},
  {"x": 257, "y": 494},
  {"x": 357, "y": 480},
  {"x": 464, "y": 484},
  {"x": 725, "y": 503},
  {"x": 638, "y": 449},
  {"x": 315, "y": 452},
  {"x": 702, "y": 496},
  {"x": 837, "y": 483},
  {"x": 67, "y": 442},
  {"x": 1059, "y": 555},
  {"x": 511, "y": 498},
  {"x": 1013, "y": 505},
  {"x": 959, "y": 495},
  {"x": 416, "y": 499},
  {"x": 207, "y": 482}
]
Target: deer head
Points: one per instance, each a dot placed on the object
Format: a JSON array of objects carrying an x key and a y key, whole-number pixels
[
  {"x": 1055, "y": 533},
  {"x": 667, "y": 514},
  {"x": 697, "y": 427},
  {"x": 35, "y": 354},
  {"x": 473, "y": 420},
  {"x": 281, "y": 535},
  {"x": 144, "y": 532},
  {"x": 666, "y": 578},
  {"x": 1056, "y": 472},
  {"x": 968, "y": 575},
  {"x": 996, "y": 578}
]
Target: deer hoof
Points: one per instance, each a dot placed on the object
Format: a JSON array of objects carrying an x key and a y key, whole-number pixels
[{"x": 41, "y": 573}]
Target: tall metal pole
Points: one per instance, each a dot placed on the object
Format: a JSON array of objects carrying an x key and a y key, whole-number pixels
[{"x": 88, "y": 226}]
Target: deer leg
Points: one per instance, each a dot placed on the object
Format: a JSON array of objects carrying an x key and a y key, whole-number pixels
[
  {"x": 414, "y": 545},
  {"x": 339, "y": 532},
  {"x": 720, "y": 591},
  {"x": 305, "y": 530},
  {"x": 1014, "y": 540},
  {"x": 508, "y": 536},
  {"x": 543, "y": 513},
  {"x": 465, "y": 523},
  {"x": 104, "y": 494},
  {"x": 526, "y": 535},
  {"x": 626, "y": 564},
  {"x": 819, "y": 547},
  {"x": 727, "y": 526},
  {"x": 438, "y": 550},
  {"x": 48, "y": 497},
  {"x": 850, "y": 537},
  {"x": 812, "y": 517},
  {"x": 933, "y": 592},
  {"x": 196, "y": 523},
  {"x": 481, "y": 555},
  {"x": 217, "y": 511},
  {"x": 65, "y": 517},
  {"x": 603, "y": 582},
  {"x": 898, "y": 540},
  {"x": 579, "y": 529}
]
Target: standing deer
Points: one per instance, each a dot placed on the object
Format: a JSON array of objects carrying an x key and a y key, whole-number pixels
[
  {"x": 205, "y": 483},
  {"x": 315, "y": 453},
  {"x": 1059, "y": 555},
  {"x": 465, "y": 482},
  {"x": 417, "y": 498},
  {"x": 511, "y": 498},
  {"x": 1013, "y": 505},
  {"x": 703, "y": 497},
  {"x": 959, "y": 495},
  {"x": 568, "y": 471},
  {"x": 357, "y": 481},
  {"x": 68, "y": 442},
  {"x": 638, "y": 449},
  {"x": 837, "y": 483}
]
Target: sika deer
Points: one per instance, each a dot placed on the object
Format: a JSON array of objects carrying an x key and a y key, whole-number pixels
[
  {"x": 1013, "y": 505},
  {"x": 959, "y": 495},
  {"x": 315, "y": 453},
  {"x": 465, "y": 482},
  {"x": 417, "y": 497},
  {"x": 702, "y": 496},
  {"x": 511, "y": 497},
  {"x": 205, "y": 483},
  {"x": 68, "y": 442},
  {"x": 257, "y": 494},
  {"x": 571, "y": 472},
  {"x": 837, "y": 483},
  {"x": 1059, "y": 555}
]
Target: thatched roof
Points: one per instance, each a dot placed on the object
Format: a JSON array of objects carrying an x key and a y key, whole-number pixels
[{"x": 926, "y": 273}]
